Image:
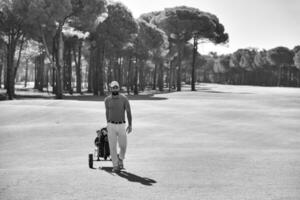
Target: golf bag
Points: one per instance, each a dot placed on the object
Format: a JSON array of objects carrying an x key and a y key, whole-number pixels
[{"x": 101, "y": 142}]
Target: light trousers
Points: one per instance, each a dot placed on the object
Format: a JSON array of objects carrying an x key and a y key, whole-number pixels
[{"x": 117, "y": 134}]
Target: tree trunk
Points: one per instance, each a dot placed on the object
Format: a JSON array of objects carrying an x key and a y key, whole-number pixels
[
  {"x": 70, "y": 89},
  {"x": 119, "y": 70},
  {"x": 256, "y": 74},
  {"x": 59, "y": 66},
  {"x": 78, "y": 68},
  {"x": 40, "y": 72},
  {"x": 136, "y": 73},
  {"x": 298, "y": 80},
  {"x": 279, "y": 75},
  {"x": 154, "y": 77},
  {"x": 129, "y": 75},
  {"x": 195, "y": 48},
  {"x": 65, "y": 74},
  {"x": 174, "y": 80},
  {"x": 19, "y": 57},
  {"x": 91, "y": 69},
  {"x": 5, "y": 72},
  {"x": 109, "y": 74},
  {"x": 142, "y": 76},
  {"x": 101, "y": 71},
  {"x": 121, "y": 73},
  {"x": 68, "y": 68},
  {"x": 10, "y": 83},
  {"x": 53, "y": 81},
  {"x": 1, "y": 69},
  {"x": 95, "y": 73},
  {"x": 47, "y": 75},
  {"x": 99, "y": 62},
  {"x": 161, "y": 77},
  {"x": 179, "y": 70},
  {"x": 170, "y": 75},
  {"x": 35, "y": 72},
  {"x": 116, "y": 70},
  {"x": 39, "y": 76},
  {"x": 67, "y": 62},
  {"x": 53, "y": 58},
  {"x": 26, "y": 74},
  {"x": 243, "y": 77},
  {"x": 289, "y": 76},
  {"x": 53, "y": 63}
]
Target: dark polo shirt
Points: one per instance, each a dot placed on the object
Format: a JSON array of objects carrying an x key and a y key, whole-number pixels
[{"x": 116, "y": 107}]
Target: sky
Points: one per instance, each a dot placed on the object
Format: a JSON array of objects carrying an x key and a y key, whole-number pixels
[{"x": 262, "y": 24}]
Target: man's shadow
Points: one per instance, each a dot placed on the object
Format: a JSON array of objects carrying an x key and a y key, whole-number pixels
[{"x": 131, "y": 177}]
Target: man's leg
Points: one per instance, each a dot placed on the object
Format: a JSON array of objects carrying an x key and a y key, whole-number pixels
[
  {"x": 112, "y": 139},
  {"x": 122, "y": 140}
]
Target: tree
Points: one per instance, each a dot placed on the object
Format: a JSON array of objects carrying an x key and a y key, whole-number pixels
[
  {"x": 40, "y": 71},
  {"x": 208, "y": 69},
  {"x": 44, "y": 20},
  {"x": 11, "y": 29},
  {"x": 297, "y": 64},
  {"x": 77, "y": 59},
  {"x": 2, "y": 59},
  {"x": 200, "y": 61},
  {"x": 31, "y": 50},
  {"x": 115, "y": 32},
  {"x": 48, "y": 17},
  {"x": 67, "y": 72},
  {"x": 296, "y": 49},
  {"x": 172, "y": 60},
  {"x": 280, "y": 56},
  {"x": 263, "y": 68},
  {"x": 155, "y": 42},
  {"x": 247, "y": 63},
  {"x": 204, "y": 26},
  {"x": 177, "y": 32},
  {"x": 235, "y": 67},
  {"x": 187, "y": 54},
  {"x": 221, "y": 67},
  {"x": 184, "y": 23}
]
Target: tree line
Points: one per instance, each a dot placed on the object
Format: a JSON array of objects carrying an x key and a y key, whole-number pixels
[
  {"x": 116, "y": 46},
  {"x": 76, "y": 44},
  {"x": 279, "y": 66}
]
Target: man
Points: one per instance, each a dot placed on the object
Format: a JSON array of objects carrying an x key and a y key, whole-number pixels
[{"x": 116, "y": 104}]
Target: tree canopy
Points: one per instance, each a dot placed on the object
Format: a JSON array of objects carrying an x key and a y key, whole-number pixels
[{"x": 102, "y": 41}]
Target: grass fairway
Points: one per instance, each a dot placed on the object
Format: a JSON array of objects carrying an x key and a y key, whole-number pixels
[{"x": 219, "y": 143}]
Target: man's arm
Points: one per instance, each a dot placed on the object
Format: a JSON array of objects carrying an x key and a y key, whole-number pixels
[
  {"x": 106, "y": 109},
  {"x": 129, "y": 116}
]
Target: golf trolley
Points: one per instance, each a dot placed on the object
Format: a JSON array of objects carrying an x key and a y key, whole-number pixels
[{"x": 102, "y": 147}]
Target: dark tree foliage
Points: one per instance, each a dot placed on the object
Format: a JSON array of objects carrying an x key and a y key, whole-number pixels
[
  {"x": 111, "y": 36},
  {"x": 280, "y": 56},
  {"x": 11, "y": 26},
  {"x": 181, "y": 24},
  {"x": 157, "y": 50}
]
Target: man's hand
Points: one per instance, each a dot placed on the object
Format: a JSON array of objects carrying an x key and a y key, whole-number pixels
[{"x": 129, "y": 129}]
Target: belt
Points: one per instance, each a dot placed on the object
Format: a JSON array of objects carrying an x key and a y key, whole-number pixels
[{"x": 113, "y": 122}]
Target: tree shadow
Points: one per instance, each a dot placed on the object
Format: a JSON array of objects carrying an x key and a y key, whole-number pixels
[
  {"x": 131, "y": 177},
  {"x": 23, "y": 96},
  {"x": 79, "y": 97},
  {"x": 101, "y": 98},
  {"x": 210, "y": 90}
]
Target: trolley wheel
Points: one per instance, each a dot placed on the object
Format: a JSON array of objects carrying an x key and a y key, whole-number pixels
[{"x": 90, "y": 160}]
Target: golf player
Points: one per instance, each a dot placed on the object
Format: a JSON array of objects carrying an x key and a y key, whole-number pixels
[{"x": 115, "y": 105}]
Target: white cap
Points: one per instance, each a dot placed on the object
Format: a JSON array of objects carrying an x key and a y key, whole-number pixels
[{"x": 114, "y": 84}]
